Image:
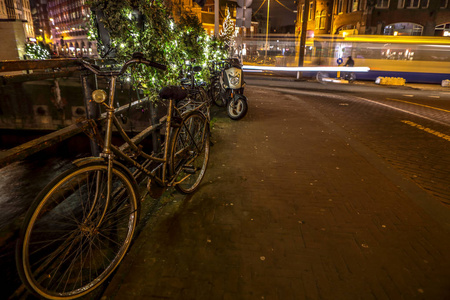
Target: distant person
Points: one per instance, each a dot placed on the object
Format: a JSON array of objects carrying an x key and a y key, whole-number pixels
[
  {"x": 350, "y": 76},
  {"x": 350, "y": 62}
]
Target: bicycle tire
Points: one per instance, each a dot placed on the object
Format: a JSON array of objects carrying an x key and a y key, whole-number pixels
[
  {"x": 216, "y": 94},
  {"x": 190, "y": 152},
  {"x": 64, "y": 251},
  {"x": 204, "y": 99}
]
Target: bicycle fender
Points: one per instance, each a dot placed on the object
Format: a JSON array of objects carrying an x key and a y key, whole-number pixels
[
  {"x": 93, "y": 159},
  {"x": 87, "y": 160}
]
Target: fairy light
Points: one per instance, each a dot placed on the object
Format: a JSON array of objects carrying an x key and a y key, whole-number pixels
[{"x": 182, "y": 39}]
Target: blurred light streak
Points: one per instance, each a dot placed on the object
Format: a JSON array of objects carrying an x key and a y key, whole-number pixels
[{"x": 306, "y": 69}]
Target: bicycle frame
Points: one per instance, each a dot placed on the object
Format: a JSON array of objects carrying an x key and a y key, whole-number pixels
[
  {"x": 109, "y": 150},
  {"x": 194, "y": 91}
]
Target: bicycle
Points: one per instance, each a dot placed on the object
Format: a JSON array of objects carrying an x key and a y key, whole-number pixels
[
  {"x": 81, "y": 225},
  {"x": 215, "y": 88},
  {"x": 198, "y": 98}
]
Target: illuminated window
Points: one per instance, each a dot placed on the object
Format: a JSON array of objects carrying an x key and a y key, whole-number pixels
[
  {"x": 301, "y": 15},
  {"x": 311, "y": 11},
  {"x": 355, "y": 5},
  {"x": 340, "y": 6},
  {"x": 412, "y": 3},
  {"x": 401, "y": 3},
  {"x": 442, "y": 30},
  {"x": 382, "y": 4},
  {"x": 323, "y": 19},
  {"x": 352, "y": 5},
  {"x": 403, "y": 29}
]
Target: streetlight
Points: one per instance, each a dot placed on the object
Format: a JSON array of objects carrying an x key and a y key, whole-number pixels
[{"x": 267, "y": 29}]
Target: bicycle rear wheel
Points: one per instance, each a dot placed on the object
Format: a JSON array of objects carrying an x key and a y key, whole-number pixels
[
  {"x": 72, "y": 239},
  {"x": 203, "y": 99},
  {"x": 216, "y": 95},
  {"x": 190, "y": 152}
]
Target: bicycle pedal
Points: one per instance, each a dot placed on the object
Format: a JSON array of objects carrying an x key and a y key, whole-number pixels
[{"x": 189, "y": 169}]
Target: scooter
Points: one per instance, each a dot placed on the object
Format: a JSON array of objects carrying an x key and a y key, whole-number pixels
[{"x": 232, "y": 83}]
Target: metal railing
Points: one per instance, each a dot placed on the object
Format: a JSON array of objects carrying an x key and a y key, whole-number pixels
[{"x": 33, "y": 70}]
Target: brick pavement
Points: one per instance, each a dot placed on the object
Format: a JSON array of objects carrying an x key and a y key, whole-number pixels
[{"x": 290, "y": 208}]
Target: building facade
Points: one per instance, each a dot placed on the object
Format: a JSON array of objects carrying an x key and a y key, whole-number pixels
[
  {"x": 16, "y": 28},
  {"x": 204, "y": 14},
  {"x": 67, "y": 22},
  {"x": 41, "y": 23},
  {"x": 383, "y": 17}
]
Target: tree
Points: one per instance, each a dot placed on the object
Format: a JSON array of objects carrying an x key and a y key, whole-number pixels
[
  {"x": 36, "y": 51},
  {"x": 229, "y": 30},
  {"x": 148, "y": 27}
]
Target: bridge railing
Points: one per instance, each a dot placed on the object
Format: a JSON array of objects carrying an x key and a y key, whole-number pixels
[{"x": 32, "y": 70}]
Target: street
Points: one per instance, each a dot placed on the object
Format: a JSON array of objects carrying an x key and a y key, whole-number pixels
[
  {"x": 408, "y": 127},
  {"x": 294, "y": 206},
  {"x": 340, "y": 187}
]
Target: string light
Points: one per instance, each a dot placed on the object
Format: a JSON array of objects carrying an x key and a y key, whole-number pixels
[{"x": 160, "y": 38}]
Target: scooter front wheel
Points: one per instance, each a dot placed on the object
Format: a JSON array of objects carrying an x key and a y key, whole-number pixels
[{"x": 237, "y": 107}]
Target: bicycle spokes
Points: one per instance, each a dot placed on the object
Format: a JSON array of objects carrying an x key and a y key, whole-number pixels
[
  {"x": 76, "y": 237},
  {"x": 190, "y": 153}
]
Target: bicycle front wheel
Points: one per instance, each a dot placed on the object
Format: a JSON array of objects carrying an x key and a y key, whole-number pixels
[
  {"x": 73, "y": 238},
  {"x": 190, "y": 152}
]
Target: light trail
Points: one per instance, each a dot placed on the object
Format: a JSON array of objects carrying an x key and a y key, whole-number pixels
[{"x": 306, "y": 69}]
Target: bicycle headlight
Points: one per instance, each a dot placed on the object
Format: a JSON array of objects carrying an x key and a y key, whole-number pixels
[{"x": 99, "y": 96}]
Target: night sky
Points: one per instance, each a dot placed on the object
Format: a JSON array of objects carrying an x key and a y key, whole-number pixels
[{"x": 279, "y": 15}]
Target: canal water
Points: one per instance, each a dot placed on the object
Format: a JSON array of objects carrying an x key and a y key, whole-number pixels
[{"x": 20, "y": 182}]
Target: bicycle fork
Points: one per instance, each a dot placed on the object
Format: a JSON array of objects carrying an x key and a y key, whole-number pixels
[{"x": 107, "y": 154}]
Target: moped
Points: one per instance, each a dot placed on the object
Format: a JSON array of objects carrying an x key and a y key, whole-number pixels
[{"x": 232, "y": 83}]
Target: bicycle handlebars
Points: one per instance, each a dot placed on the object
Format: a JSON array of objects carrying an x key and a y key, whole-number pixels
[{"x": 138, "y": 58}]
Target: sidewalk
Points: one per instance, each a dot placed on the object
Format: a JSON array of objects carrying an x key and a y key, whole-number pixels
[{"x": 290, "y": 208}]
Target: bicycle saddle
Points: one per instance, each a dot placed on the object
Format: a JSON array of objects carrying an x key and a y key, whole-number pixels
[{"x": 173, "y": 92}]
